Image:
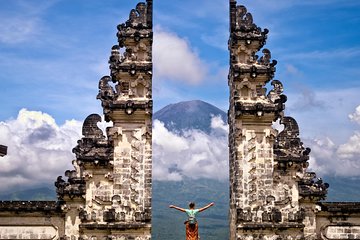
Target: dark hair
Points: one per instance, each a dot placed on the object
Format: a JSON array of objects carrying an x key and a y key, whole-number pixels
[{"x": 191, "y": 205}]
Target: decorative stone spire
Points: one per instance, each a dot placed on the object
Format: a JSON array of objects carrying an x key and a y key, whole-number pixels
[
  {"x": 130, "y": 69},
  {"x": 269, "y": 186},
  {"x": 108, "y": 195}
]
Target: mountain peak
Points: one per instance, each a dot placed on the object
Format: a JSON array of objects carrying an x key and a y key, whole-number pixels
[{"x": 194, "y": 114}]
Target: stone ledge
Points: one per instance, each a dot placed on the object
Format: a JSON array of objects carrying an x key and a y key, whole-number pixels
[
  {"x": 340, "y": 207},
  {"x": 263, "y": 225},
  {"x": 114, "y": 226},
  {"x": 29, "y": 206}
]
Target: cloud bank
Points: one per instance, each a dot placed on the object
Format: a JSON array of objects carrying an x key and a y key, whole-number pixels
[
  {"x": 39, "y": 150},
  {"x": 327, "y": 158},
  {"x": 192, "y": 154}
]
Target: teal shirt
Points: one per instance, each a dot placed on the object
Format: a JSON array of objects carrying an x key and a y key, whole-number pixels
[{"x": 191, "y": 212}]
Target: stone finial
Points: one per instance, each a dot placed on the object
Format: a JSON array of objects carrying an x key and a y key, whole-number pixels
[
  {"x": 244, "y": 19},
  {"x": 288, "y": 146},
  {"x": 106, "y": 92},
  {"x": 277, "y": 90},
  {"x": 139, "y": 24},
  {"x": 312, "y": 187},
  {"x": 90, "y": 128},
  {"x": 141, "y": 16},
  {"x": 93, "y": 147}
]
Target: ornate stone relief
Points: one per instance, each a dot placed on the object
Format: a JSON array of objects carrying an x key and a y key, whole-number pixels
[{"x": 268, "y": 175}]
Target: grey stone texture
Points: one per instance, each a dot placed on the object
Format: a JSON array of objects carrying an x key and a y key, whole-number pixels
[{"x": 272, "y": 195}]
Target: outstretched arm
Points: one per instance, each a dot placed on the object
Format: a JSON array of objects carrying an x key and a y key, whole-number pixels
[
  {"x": 206, "y": 207},
  {"x": 177, "y": 208}
]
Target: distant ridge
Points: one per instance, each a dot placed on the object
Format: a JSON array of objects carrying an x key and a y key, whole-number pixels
[
  {"x": 39, "y": 194},
  {"x": 195, "y": 114}
]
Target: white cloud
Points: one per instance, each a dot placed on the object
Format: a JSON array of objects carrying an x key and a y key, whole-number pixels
[
  {"x": 17, "y": 30},
  {"x": 327, "y": 158},
  {"x": 218, "y": 123},
  {"x": 307, "y": 99},
  {"x": 194, "y": 154},
  {"x": 38, "y": 149},
  {"x": 320, "y": 56},
  {"x": 323, "y": 112},
  {"x": 351, "y": 149},
  {"x": 22, "y": 21},
  {"x": 292, "y": 70},
  {"x": 175, "y": 60},
  {"x": 355, "y": 117},
  {"x": 168, "y": 140}
]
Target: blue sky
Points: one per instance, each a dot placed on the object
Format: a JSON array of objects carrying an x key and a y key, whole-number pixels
[{"x": 53, "y": 53}]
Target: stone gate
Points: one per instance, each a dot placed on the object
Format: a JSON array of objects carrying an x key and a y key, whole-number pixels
[
  {"x": 272, "y": 195},
  {"x": 108, "y": 193}
]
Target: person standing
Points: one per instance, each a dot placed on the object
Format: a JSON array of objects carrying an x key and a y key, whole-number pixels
[{"x": 192, "y": 228}]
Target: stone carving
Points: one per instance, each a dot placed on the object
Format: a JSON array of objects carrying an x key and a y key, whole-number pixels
[
  {"x": 74, "y": 187},
  {"x": 297, "y": 216},
  {"x": 106, "y": 92},
  {"x": 117, "y": 169},
  {"x": 138, "y": 16},
  {"x": 110, "y": 215},
  {"x": 312, "y": 187},
  {"x": 29, "y": 206},
  {"x": 138, "y": 25},
  {"x": 268, "y": 180},
  {"x": 265, "y": 60},
  {"x": 93, "y": 147},
  {"x": 244, "y": 30},
  {"x": 244, "y": 19},
  {"x": 29, "y": 232},
  {"x": 288, "y": 146},
  {"x": 244, "y": 216},
  {"x": 272, "y": 216},
  {"x": 275, "y": 94},
  {"x": 83, "y": 215}
]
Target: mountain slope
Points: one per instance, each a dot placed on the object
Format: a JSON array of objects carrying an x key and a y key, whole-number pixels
[
  {"x": 39, "y": 194},
  {"x": 194, "y": 114}
]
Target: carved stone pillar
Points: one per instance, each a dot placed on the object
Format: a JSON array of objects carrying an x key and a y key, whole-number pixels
[
  {"x": 108, "y": 195},
  {"x": 128, "y": 104},
  {"x": 267, "y": 169}
]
